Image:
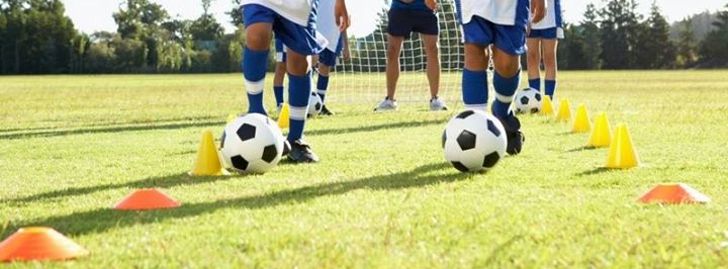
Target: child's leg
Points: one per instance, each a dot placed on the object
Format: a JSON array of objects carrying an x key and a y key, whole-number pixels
[
  {"x": 278, "y": 82},
  {"x": 475, "y": 84},
  {"x": 549, "y": 60},
  {"x": 534, "y": 63},
  {"x": 323, "y": 80},
  {"x": 255, "y": 63},
  {"x": 506, "y": 79},
  {"x": 299, "y": 88}
]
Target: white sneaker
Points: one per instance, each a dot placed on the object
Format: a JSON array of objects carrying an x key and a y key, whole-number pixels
[
  {"x": 437, "y": 105},
  {"x": 386, "y": 105}
]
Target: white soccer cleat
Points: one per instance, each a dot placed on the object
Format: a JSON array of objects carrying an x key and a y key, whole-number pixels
[
  {"x": 386, "y": 105},
  {"x": 437, "y": 105}
]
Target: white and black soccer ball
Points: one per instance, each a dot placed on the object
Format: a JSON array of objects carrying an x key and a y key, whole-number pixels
[
  {"x": 528, "y": 100},
  {"x": 315, "y": 104},
  {"x": 474, "y": 141},
  {"x": 251, "y": 144}
]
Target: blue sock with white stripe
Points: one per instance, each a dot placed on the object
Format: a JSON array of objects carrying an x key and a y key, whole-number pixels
[
  {"x": 475, "y": 89},
  {"x": 550, "y": 88},
  {"x": 299, "y": 88},
  {"x": 255, "y": 64},
  {"x": 322, "y": 85},
  {"x": 278, "y": 92},
  {"x": 535, "y": 84},
  {"x": 505, "y": 88}
]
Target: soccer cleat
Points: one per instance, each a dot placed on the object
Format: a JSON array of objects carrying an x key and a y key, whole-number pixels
[
  {"x": 513, "y": 133},
  {"x": 437, "y": 105},
  {"x": 325, "y": 111},
  {"x": 286, "y": 147},
  {"x": 386, "y": 105},
  {"x": 302, "y": 153}
]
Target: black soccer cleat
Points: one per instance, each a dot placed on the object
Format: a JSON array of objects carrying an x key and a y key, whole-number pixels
[
  {"x": 302, "y": 153},
  {"x": 513, "y": 133},
  {"x": 325, "y": 111},
  {"x": 286, "y": 147}
]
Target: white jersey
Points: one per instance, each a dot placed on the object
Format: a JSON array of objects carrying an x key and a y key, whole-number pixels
[
  {"x": 327, "y": 24},
  {"x": 503, "y": 12},
  {"x": 297, "y": 11},
  {"x": 552, "y": 18}
]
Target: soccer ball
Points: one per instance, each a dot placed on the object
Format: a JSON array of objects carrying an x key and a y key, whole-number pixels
[
  {"x": 251, "y": 144},
  {"x": 528, "y": 101},
  {"x": 315, "y": 104},
  {"x": 474, "y": 141}
]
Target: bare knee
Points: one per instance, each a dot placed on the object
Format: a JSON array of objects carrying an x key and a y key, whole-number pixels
[{"x": 258, "y": 36}]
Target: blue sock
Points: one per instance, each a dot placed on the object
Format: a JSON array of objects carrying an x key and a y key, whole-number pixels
[
  {"x": 535, "y": 84},
  {"x": 299, "y": 88},
  {"x": 505, "y": 88},
  {"x": 475, "y": 89},
  {"x": 322, "y": 85},
  {"x": 255, "y": 64},
  {"x": 550, "y": 88},
  {"x": 278, "y": 91}
]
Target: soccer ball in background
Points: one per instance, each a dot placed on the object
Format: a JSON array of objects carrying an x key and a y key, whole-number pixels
[
  {"x": 528, "y": 101},
  {"x": 474, "y": 141},
  {"x": 315, "y": 104},
  {"x": 252, "y": 144}
]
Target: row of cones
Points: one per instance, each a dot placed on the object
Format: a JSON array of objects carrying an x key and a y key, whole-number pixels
[
  {"x": 622, "y": 154},
  {"x": 43, "y": 243}
]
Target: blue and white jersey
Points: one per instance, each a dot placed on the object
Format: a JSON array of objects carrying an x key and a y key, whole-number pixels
[
  {"x": 502, "y": 12},
  {"x": 327, "y": 24},
  {"x": 296, "y": 11},
  {"x": 553, "y": 16}
]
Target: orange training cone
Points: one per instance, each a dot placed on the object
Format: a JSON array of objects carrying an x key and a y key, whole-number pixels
[
  {"x": 676, "y": 193},
  {"x": 564, "y": 114},
  {"x": 547, "y": 108},
  {"x": 146, "y": 199},
  {"x": 283, "y": 117},
  {"x": 622, "y": 154},
  {"x": 208, "y": 161},
  {"x": 582, "y": 124},
  {"x": 601, "y": 134},
  {"x": 39, "y": 243}
]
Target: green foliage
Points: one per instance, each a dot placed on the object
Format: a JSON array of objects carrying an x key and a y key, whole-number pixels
[
  {"x": 714, "y": 48},
  {"x": 686, "y": 44}
]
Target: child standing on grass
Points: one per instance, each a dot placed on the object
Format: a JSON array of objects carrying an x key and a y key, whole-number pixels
[
  {"x": 294, "y": 22},
  {"x": 502, "y": 24}
]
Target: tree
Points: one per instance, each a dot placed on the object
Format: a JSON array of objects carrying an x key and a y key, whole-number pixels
[
  {"x": 619, "y": 33},
  {"x": 654, "y": 49},
  {"x": 206, "y": 27},
  {"x": 686, "y": 45},
  {"x": 589, "y": 31},
  {"x": 714, "y": 48}
]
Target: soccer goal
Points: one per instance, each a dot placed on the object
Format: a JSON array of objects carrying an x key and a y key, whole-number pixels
[{"x": 362, "y": 78}]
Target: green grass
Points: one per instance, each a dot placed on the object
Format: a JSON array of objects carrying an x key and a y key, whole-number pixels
[{"x": 71, "y": 146}]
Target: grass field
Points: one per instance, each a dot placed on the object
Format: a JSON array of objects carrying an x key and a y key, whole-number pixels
[{"x": 71, "y": 146}]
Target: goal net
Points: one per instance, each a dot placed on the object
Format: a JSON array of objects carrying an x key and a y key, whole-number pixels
[{"x": 362, "y": 78}]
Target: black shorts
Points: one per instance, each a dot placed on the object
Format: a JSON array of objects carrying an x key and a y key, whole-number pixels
[{"x": 402, "y": 22}]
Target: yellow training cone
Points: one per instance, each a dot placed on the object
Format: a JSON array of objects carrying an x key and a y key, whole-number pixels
[
  {"x": 601, "y": 134},
  {"x": 622, "y": 154},
  {"x": 208, "y": 161},
  {"x": 283, "y": 117},
  {"x": 581, "y": 121},
  {"x": 564, "y": 114},
  {"x": 547, "y": 108}
]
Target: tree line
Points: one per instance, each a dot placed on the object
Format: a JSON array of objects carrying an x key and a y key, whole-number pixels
[{"x": 37, "y": 38}]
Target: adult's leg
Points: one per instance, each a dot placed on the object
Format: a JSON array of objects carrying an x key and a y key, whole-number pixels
[
  {"x": 394, "y": 48},
  {"x": 534, "y": 62},
  {"x": 432, "y": 52}
]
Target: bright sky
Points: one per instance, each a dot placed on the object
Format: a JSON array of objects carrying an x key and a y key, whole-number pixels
[{"x": 94, "y": 15}]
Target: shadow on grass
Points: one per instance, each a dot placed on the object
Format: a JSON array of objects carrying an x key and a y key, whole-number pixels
[
  {"x": 595, "y": 171},
  {"x": 152, "y": 182},
  {"x": 100, "y": 220},
  {"x": 584, "y": 148},
  {"x": 125, "y": 128}
]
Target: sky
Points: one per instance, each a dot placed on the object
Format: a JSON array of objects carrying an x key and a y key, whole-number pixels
[{"x": 95, "y": 15}]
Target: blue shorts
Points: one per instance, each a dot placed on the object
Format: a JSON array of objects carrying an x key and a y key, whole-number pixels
[
  {"x": 402, "y": 22},
  {"x": 508, "y": 38},
  {"x": 296, "y": 37},
  {"x": 549, "y": 33},
  {"x": 280, "y": 51},
  {"x": 329, "y": 57}
]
